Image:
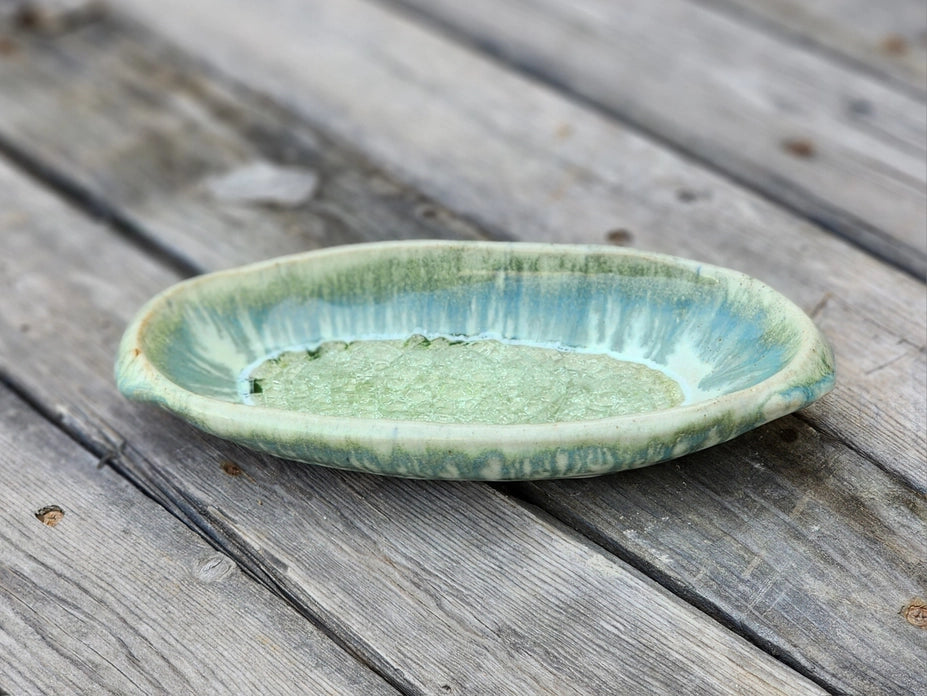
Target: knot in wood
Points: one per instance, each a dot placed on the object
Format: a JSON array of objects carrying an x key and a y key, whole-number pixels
[
  {"x": 50, "y": 515},
  {"x": 916, "y": 613},
  {"x": 215, "y": 568}
]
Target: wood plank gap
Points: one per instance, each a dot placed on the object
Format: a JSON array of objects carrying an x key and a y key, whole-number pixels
[
  {"x": 175, "y": 503},
  {"x": 837, "y": 222},
  {"x": 86, "y": 201},
  {"x": 64, "y": 644},
  {"x": 341, "y": 636},
  {"x": 530, "y": 499},
  {"x": 186, "y": 511},
  {"x": 897, "y": 476},
  {"x": 105, "y": 456}
]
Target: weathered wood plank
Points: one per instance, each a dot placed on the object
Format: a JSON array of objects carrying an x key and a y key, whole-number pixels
[
  {"x": 836, "y": 145},
  {"x": 352, "y": 201},
  {"x": 195, "y": 481},
  {"x": 512, "y": 156},
  {"x": 443, "y": 588},
  {"x": 888, "y": 37},
  {"x": 798, "y": 539},
  {"x": 119, "y": 597}
]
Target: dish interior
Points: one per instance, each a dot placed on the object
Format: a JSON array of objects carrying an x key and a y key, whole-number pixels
[
  {"x": 457, "y": 379},
  {"x": 450, "y": 338}
]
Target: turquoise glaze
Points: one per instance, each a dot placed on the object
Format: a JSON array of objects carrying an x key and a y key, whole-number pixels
[{"x": 739, "y": 353}]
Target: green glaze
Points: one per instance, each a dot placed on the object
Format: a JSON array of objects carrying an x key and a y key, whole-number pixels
[
  {"x": 448, "y": 381},
  {"x": 564, "y": 360}
]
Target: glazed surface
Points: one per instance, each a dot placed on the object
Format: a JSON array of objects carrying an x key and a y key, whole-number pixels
[{"x": 458, "y": 381}]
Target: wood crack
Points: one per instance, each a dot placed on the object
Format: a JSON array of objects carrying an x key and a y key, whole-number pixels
[
  {"x": 726, "y": 162},
  {"x": 86, "y": 201},
  {"x": 199, "y": 520},
  {"x": 540, "y": 504}
]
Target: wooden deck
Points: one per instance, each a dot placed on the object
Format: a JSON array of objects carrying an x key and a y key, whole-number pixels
[{"x": 781, "y": 138}]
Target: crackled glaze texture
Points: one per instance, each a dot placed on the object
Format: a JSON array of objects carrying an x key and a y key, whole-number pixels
[
  {"x": 457, "y": 381},
  {"x": 738, "y": 353}
]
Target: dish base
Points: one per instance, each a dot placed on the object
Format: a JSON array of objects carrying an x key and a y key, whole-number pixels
[{"x": 456, "y": 380}]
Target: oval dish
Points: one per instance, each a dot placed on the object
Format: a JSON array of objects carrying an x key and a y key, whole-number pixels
[{"x": 472, "y": 360}]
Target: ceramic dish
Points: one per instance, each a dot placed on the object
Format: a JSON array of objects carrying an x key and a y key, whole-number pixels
[{"x": 470, "y": 360}]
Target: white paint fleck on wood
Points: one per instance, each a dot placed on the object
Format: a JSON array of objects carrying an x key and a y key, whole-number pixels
[{"x": 264, "y": 183}]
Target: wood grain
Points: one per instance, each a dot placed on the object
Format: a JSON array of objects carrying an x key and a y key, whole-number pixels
[
  {"x": 119, "y": 597},
  {"x": 157, "y": 147},
  {"x": 836, "y": 145},
  {"x": 443, "y": 588},
  {"x": 888, "y": 37},
  {"x": 317, "y": 535},
  {"x": 784, "y": 532},
  {"x": 512, "y": 156}
]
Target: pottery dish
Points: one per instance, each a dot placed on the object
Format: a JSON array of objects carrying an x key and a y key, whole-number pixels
[{"x": 475, "y": 360}]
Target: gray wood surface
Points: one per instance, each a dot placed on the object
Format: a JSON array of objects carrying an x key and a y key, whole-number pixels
[
  {"x": 834, "y": 144},
  {"x": 789, "y": 464},
  {"x": 785, "y": 532},
  {"x": 188, "y": 133},
  {"x": 444, "y": 588},
  {"x": 513, "y": 157},
  {"x": 888, "y": 37},
  {"x": 119, "y": 597}
]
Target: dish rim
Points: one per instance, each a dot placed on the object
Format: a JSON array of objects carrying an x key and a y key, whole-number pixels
[{"x": 140, "y": 380}]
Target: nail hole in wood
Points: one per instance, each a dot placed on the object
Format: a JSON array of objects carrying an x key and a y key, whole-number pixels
[
  {"x": 50, "y": 515},
  {"x": 915, "y": 613},
  {"x": 620, "y": 237},
  {"x": 894, "y": 45},
  {"x": 799, "y": 147},
  {"x": 28, "y": 18},
  {"x": 231, "y": 468}
]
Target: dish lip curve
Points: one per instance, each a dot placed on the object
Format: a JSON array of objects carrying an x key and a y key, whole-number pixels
[{"x": 140, "y": 380}]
